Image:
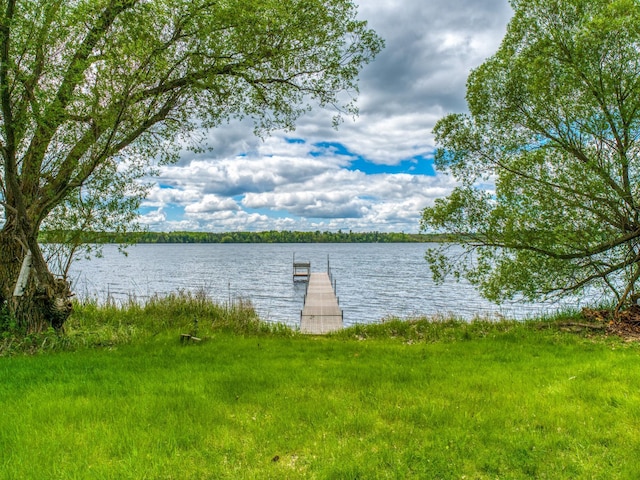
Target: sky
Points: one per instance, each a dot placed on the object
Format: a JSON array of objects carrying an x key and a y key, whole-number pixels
[{"x": 374, "y": 173}]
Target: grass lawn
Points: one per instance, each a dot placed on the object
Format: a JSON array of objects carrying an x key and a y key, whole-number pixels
[{"x": 458, "y": 401}]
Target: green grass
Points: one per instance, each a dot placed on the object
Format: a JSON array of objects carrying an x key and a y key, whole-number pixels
[
  {"x": 397, "y": 400},
  {"x": 113, "y": 324}
]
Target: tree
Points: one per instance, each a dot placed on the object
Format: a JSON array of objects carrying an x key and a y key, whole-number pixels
[
  {"x": 548, "y": 157},
  {"x": 92, "y": 88},
  {"x": 107, "y": 202}
]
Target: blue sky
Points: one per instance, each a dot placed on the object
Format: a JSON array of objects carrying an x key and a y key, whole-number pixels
[{"x": 374, "y": 173}]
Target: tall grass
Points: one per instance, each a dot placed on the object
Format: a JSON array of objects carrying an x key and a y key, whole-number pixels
[
  {"x": 173, "y": 311},
  {"x": 449, "y": 328},
  {"x": 117, "y": 323}
]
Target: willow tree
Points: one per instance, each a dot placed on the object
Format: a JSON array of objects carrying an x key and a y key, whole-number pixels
[
  {"x": 92, "y": 89},
  {"x": 548, "y": 157}
]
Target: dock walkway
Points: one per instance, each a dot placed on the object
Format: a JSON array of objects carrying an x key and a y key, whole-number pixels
[{"x": 321, "y": 312}]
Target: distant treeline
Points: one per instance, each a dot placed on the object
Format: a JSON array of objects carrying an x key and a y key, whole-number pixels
[{"x": 240, "y": 237}]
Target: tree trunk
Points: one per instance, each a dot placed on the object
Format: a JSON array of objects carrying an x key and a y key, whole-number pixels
[{"x": 45, "y": 301}]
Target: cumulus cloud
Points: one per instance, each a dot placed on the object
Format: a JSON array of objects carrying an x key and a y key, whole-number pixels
[
  {"x": 273, "y": 163},
  {"x": 431, "y": 48},
  {"x": 158, "y": 197},
  {"x": 211, "y": 204},
  {"x": 353, "y": 195},
  {"x": 153, "y": 218},
  {"x": 305, "y": 179}
]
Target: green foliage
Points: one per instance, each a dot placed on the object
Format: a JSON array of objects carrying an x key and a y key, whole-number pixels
[
  {"x": 547, "y": 161},
  {"x": 8, "y": 324},
  {"x": 93, "y": 237}
]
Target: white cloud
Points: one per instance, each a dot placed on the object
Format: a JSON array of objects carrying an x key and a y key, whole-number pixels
[
  {"x": 212, "y": 204},
  {"x": 245, "y": 183},
  {"x": 159, "y": 197},
  {"x": 154, "y": 218}
]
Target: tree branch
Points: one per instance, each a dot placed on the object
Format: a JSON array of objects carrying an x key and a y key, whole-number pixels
[
  {"x": 483, "y": 241},
  {"x": 70, "y": 177},
  {"x": 55, "y": 115},
  {"x": 14, "y": 196}
]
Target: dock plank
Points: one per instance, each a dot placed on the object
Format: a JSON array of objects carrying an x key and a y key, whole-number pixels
[{"x": 321, "y": 312}]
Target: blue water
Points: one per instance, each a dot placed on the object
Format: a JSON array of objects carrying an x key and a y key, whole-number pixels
[{"x": 374, "y": 281}]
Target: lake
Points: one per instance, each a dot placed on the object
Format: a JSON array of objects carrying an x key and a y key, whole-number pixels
[{"x": 374, "y": 281}]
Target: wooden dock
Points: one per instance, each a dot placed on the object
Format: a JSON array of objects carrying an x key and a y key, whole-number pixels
[{"x": 321, "y": 313}]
